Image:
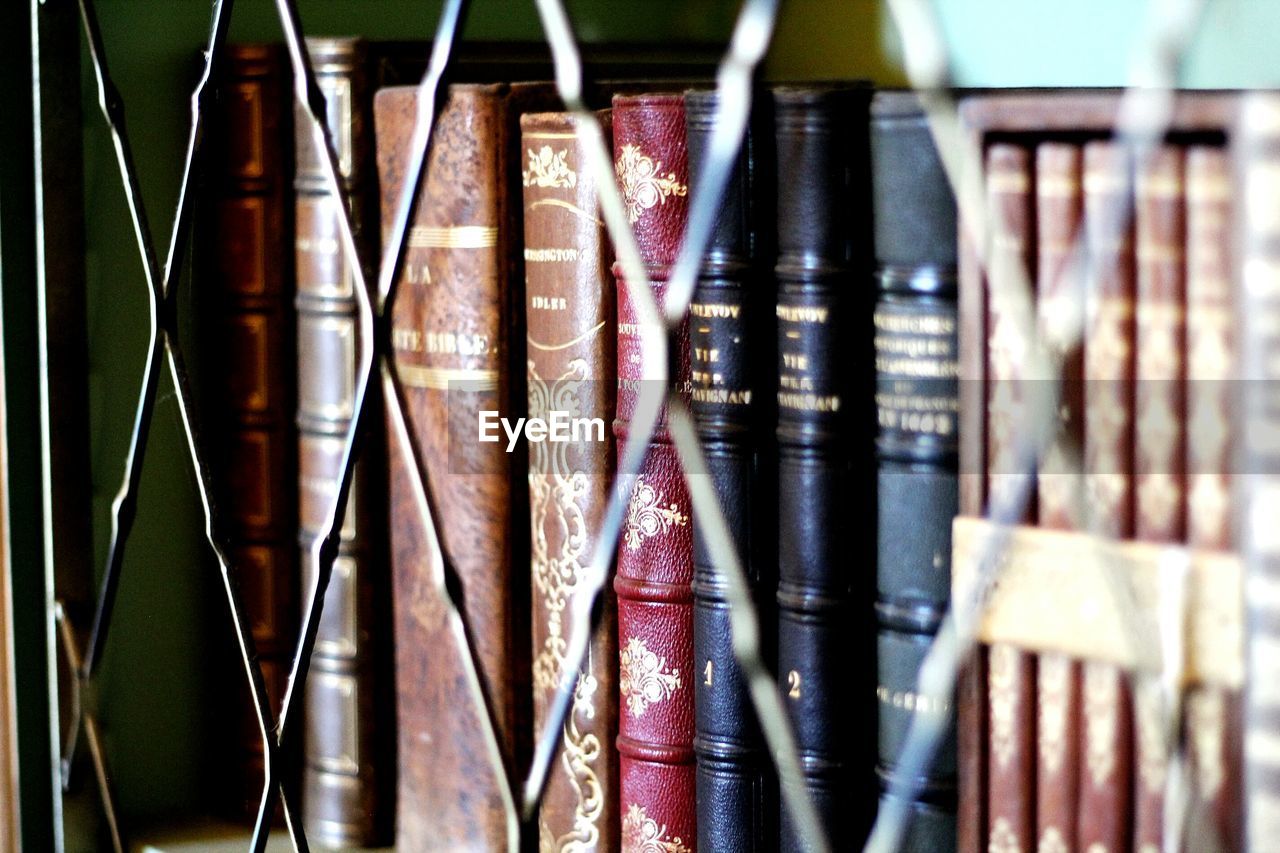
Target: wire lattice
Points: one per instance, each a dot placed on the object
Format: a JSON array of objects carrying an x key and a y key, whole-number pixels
[{"x": 1143, "y": 123}]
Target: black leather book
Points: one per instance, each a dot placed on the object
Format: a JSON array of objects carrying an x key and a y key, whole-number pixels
[
  {"x": 825, "y": 451},
  {"x": 731, "y": 334},
  {"x": 917, "y": 451},
  {"x": 917, "y": 408}
]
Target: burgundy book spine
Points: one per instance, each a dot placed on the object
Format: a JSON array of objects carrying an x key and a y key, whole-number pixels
[
  {"x": 971, "y": 686},
  {"x": 1106, "y": 742},
  {"x": 1011, "y": 672},
  {"x": 655, "y": 556},
  {"x": 251, "y": 285},
  {"x": 1060, "y": 310},
  {"x": 1213, "y": 714},
  {"x": 1158, "y": 450}
]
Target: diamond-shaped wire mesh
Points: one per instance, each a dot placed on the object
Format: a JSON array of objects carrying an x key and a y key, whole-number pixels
[{"x": 1172, "y": 21}]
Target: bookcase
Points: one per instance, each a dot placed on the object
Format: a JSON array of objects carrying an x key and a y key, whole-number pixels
[{"x": 153, "y": 703}]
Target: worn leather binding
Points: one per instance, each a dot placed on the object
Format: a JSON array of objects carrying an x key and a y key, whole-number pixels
[
  {"x": 825, "y": 423},
  {"x": 571, "y": 346},
  {"x": 918, "y": 407},
  {"x": 1106, "y": 743},
  {"x": 1159, "y": 442},
  {"x": 655, "y": 557},
  {"x": 1011, "y": 671},
  {"x": 456, "y": 330},
  {"x": 1213, "y": 714},
  {"x": 348, "y": 758},
  {"x": 730, "y": 335},
  {"x": 1059, "y": 309},
  {"x": 250, "y": 282}
]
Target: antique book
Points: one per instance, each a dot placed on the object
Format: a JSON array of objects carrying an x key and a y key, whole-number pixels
[
  {"x": 456, "y": 331},
  {"x": 250, "y": 296},
  {"x": 655, "y": 556},
  {"x": 917, "y": 409},
  {"x": 1212, "y": 713},
  {"x": 1059, "y": 317},
  {"x": 1257, "y": 319},
  {"x": 1106, "y": 744},
  {"x": 571, "y": 343},
  {"x": 348, "y": 758},
  {"x": 730, "y": 332},
  {"x": 1158, "y": 436},
  {"x": 824, "y": 417},
  {"x": 1011, "y": 671}
]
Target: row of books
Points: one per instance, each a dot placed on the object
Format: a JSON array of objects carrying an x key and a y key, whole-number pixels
[
  {"x": 1149, "y": 288},
  {"x": 818, "y": 357}
]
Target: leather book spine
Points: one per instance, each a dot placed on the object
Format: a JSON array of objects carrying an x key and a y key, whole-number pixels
[
  {"x": 1011, "y": 671},
  {"x": 252, "y": 279},
  {"x": 821, "y": 298},
  {"x": 971, "y": 681},
  {"x": 1060, "y": 313},
  {"x": 456, "y": 332},
  {"x": 1212, "y": 365},
  {"x": 730, "y": 330},
  {"x": 1257, "y": 316},
  {"x": 655, "y": 557},
  {"x": 1159, "y": 442},
  {"x": 917, "y": 406},
  {"x": 1106, "y": 748},
  {"x": 347, "y": 767},
  {"x": 571, "y": 345}
]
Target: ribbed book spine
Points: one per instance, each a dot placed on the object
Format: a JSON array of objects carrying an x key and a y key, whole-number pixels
[
  {"x": 1011, "y": 671},
  {"x": 457, "y": 331},
  {"x": 252, "y": 284},
  {"x": 1213, "y": 729},
  {"x": 655, "y": 557},
  {"x": 821, "y": 417},
  {"x": 571, "y": 346},
  {"x": 1106, "y": 743},
  {"x": 1060, "y": 317},
  {"x": 918, "y": 415},
  {"x": 1159, "y": 438},
  {"x": 347, "y": 768},
  {"x": 730, "y": 330}
]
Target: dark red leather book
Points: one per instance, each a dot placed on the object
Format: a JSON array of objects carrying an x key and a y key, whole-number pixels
[
  {"x": 250, "y": 284},
  {"x": 1059, "y": 309},
  {"x": 1011, "y": 671},
  {"x": 1158, "y": 439},
  {"x": 655, "y": 556},
  {"x": 1106, "y": 731},
  {"x": 1213, "y": 731}
]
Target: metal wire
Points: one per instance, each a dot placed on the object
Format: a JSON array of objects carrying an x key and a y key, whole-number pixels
[
  {"x": 1142, "y": 120},
  {"x": 163, "y": 343}
]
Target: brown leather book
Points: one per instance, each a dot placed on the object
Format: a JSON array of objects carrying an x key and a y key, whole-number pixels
[
  {"x": 250, "y": 283},
  {"x": 1011, "y": 671},
  {"x": 1213, "y": 713},
  {"x": 347, "y": 753},
  {"x": 1060, "y": 311},
  {"x": 1106, "y": 742},
  {"x": 571, "y": 349},
  {"x": 971, "y": 683},
  {"x": 457, "y": 331},
  {"x": 1158, "y": 438}
]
